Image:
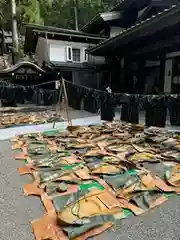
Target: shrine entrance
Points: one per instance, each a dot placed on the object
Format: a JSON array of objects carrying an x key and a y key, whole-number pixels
[{"x": 24, "y": 73}]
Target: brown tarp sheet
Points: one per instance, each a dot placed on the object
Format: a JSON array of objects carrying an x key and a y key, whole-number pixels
[
  {"x": 12, "y": 119},
  {"x": 88, "y": 178}
]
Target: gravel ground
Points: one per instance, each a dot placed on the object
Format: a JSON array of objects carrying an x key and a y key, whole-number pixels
[
  {"x": 162, "y": 223},
  {"x": 16, "y": 210}
]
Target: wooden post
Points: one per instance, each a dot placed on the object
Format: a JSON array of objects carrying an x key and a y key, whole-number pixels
[
  {"x": 59, "y": 101},
  {"x": 66, "y": 103}
]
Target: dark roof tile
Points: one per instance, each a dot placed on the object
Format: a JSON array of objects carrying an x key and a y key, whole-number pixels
[{"x": 135, "y": 27}]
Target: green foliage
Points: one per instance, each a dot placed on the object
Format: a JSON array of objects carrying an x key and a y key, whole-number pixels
[
  {"x": 88, "y": 9},
  {"x": 29, "y": 11},
  {"x": 59, "y": 13},
  {"x": 62, "y": 12},
  {"x": 5, "y": 14}
]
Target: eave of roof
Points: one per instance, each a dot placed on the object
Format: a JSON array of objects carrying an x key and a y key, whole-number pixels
[
  {"x": 22, "y": 64},
  {"x": 59, "y": 66},
  {"x": 56, "y": 30},
  {"x": 138, "y": 26},
  {"x": 82, "y": 35},
  {"x": 31, "y": 39}
]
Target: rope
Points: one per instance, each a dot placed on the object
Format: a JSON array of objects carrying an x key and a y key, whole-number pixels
[
  {"x": 8, "y": 84},
  {"x": 11, "y": 85}
]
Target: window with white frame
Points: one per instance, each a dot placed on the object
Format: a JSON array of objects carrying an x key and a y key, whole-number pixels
[
  {"x": 76, "y": 55},
  {"x": 69, "y": 53},
  {"x": 85, "y": 55},
  {"x": 73, "y": 54}
]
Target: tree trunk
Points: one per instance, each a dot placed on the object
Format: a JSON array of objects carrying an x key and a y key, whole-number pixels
[
  {"x": 76, "y": 17},
  {"x": 15, "y": 50},
  {"x": 3, "y": 48}
]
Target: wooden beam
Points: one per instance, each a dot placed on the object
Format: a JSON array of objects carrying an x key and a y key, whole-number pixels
[
  {"x": 162, "y": 72},
  {"x": 158, "y": 46},
  {"x": 164, "y": 3}
]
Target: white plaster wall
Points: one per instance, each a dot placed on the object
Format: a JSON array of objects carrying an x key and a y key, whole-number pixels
[
  {"x": 42, "y": 49},
  {"x": 56, "y": 50},
  {"x": 96, "y": 59},
  {"x": 115, "y": 31}
]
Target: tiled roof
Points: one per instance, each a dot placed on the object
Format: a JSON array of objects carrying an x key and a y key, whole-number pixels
[
  {"x": 96, "y": 17},
  {"x": 50, "y": 29},
  {"x": 21, "y": 64},
  {"x": 31, "y": 38},
  {"x": 137, "y": 26}
]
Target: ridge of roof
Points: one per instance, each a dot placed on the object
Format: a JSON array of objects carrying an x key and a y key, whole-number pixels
[{"x": 138, "y": 24}]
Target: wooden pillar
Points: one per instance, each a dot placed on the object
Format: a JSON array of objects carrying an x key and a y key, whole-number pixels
[
  {"x": 141, "y": 73},
  {"x": 122, "y": 74},
  {"x": 162, "y": 73},
  {"x": 127, "y": 72},
  {"x": 115, "y": 75},
  {"x": 168, "y": 75}
]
